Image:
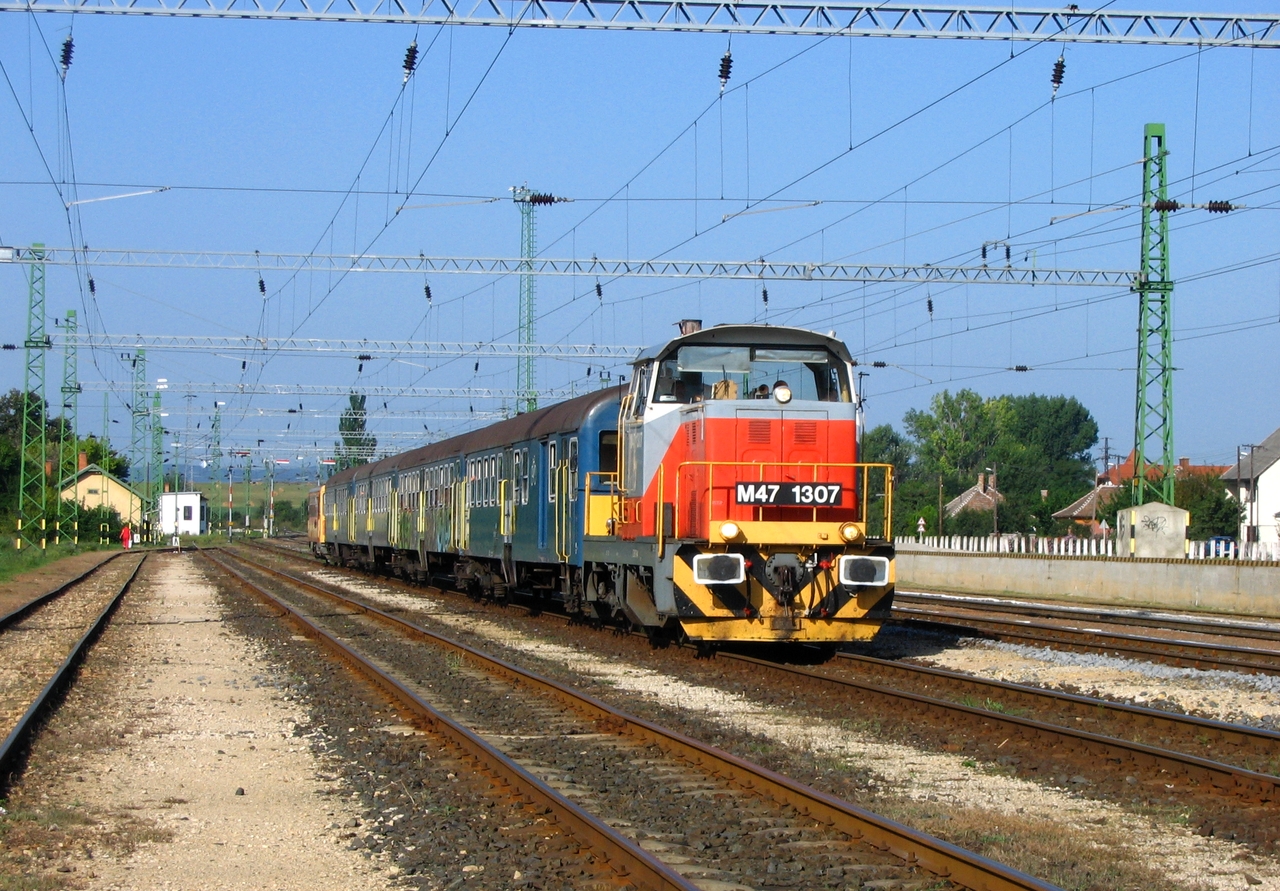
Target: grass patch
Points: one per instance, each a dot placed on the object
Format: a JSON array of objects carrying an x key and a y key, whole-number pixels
[
  {"x": 1067, "y": 858},
  {"x": 15, "y": 562},
  {"x": 991, "y": 705}
]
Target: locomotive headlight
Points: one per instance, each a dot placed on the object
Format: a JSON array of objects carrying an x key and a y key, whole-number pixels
[
  {"x": 729, "y": 530},
  {"x": 782, "y": 393},
  {"x": 850, "y": 532}
]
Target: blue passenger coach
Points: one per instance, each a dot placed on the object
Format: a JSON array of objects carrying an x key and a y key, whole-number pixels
[{"x": 493, "y": 509}]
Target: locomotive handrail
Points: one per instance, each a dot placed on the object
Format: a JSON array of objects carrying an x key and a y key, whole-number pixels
[
  {"x": 662, "y": 510},
  {"x": 863, "y": 468}
]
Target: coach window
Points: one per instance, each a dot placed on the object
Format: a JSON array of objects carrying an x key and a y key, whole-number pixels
[
  {"x": 573, "y": 468},
  {"x": 525, "y": 470},
  {"x": 493, "y": 480},
  {"x": 551, "y": 471},
  {"x": 517, "y": 462}
]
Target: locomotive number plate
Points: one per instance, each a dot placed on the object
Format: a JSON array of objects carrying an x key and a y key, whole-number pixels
[{"x": 790, "y": 494}]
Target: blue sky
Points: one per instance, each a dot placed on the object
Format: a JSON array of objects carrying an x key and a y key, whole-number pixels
[{"x": 261, "y": 129}]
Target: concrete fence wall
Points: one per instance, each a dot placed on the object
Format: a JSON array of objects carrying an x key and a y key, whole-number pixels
[{"x": 1216, "y": 586}]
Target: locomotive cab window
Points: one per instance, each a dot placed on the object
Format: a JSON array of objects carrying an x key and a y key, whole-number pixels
[{"x": 696, "y": 373}]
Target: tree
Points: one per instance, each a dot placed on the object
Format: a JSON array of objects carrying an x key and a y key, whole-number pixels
[
  {"x": 954, "y": 435},
  {"x": 357, "y": 446},
  {"x": 884, "y": 445},
  {"x": 1038, "y": 447},
  {"x": 1213, "y": 511}
]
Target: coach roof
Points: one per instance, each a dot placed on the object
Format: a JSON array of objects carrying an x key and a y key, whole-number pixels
[
  {"x": 562, "y": 417},
  {"x": 747, "y": 335}
]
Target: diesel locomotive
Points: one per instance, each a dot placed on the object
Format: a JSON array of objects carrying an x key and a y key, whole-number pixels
[{"x": 717, "y": 497}]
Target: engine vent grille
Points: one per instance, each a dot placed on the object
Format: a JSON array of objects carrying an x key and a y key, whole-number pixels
[
  {"x": 759, "y": 432},
  {"x": 805, "y": 432}
]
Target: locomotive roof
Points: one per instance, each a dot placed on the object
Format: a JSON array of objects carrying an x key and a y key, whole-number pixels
[
  {"x": 559, "y": 418},
  {"x": 747, "y": 335}
]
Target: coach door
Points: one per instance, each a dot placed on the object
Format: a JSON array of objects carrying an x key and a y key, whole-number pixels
[
  {"x": 506, "y": 496},
  {"x": 547, "y": 507}
]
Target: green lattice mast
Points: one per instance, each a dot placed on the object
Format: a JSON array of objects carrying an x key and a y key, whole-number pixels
[
  {"x": 140, "y": 416},
  {"x": 157, "y": 456},
  {"x": 215, "y": 458},
  {"x": 526, "y": 369},
  {"x": 31, "y": 475},
  {"x": 69, "y": 444},
  {"x": 1153, "y": 429}
]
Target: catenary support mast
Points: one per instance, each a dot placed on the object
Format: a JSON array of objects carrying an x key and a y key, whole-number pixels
[
  {"x": 69, "y": 439},
  {"x": 1153, "y": 428},
  {"x": 32, "y": 478}
]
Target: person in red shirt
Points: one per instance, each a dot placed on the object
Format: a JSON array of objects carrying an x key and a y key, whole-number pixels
[{"x": 126, "y": 536}]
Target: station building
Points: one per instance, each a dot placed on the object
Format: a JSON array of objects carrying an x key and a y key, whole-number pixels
[
  {"x": 94, "y": 487},
  {"x": 184, "y": 513}
]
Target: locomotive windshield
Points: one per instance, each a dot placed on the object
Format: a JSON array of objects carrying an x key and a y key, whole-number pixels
[{"x": 699, "y": 373}]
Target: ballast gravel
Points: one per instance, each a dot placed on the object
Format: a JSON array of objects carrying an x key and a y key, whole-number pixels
[
  {"x": 949, "y": 781},
  {"x": 1236, "y": 697},
  {"x": 177, "y": 739}
]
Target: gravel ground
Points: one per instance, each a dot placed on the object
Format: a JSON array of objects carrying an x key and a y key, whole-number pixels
[
  {"x": 32, "y": 649},
  {"x": 1252, "y": 699},
  {"x": 174, "y": 764},
  {"x": 947, "y": 788}
]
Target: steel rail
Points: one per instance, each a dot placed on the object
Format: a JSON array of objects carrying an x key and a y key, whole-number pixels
[
  {"x": 1164, "y": 621},
  {"x": 625, "y": 857},
  {"x": 1250, "y": 739},
  {"x": 15, "y": 743},
  {"x": 21, "y": 612},
  {"x": 934, "y": 855},
  {"x": 1217, "y": 733},
  {"x": 1250, "y": 785},
  {"x": 1060, "y": 24},
  {"x": 1196, "y": 655}
]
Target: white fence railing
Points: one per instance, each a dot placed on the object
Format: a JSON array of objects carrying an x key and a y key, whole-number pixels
[{"x": 1070, "y": 546}]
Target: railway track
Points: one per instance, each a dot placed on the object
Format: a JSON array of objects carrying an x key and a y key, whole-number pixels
[
  {"x": 43, "y": 642},
  {"x": 1223, "y": 626},
  {"x": 710, "y": 816},
  {"x": 1226, "y": 771},
  {"x": 1251, "y": 748},
  {"x": 1184, "y": 653}
]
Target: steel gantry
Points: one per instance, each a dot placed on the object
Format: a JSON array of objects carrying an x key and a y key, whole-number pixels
[
  {"x": 759, "y": 269},
  {"x": 1063, "y": 23},
  {"x": 370, "y": 349},
  {"x": 323, "y": 390}
]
